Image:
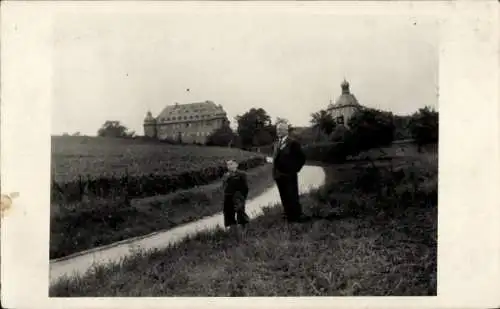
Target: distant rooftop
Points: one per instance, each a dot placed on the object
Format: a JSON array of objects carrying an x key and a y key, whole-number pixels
[
  {"x": 190, "y": 111},
  {"x": 346, "y": 98}
]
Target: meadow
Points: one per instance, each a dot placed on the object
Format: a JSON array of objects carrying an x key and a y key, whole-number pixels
[
  {"x": 373, "y": 233},
  {"x": 128, "y": 206},
  {"x": 107, "y": 168},
  {"x": 75, "y": 156}
]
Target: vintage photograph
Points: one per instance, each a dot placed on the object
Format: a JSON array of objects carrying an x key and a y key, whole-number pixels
[{"x": 243, "y": 152}]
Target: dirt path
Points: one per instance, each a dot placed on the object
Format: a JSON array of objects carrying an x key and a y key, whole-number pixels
[{"x": 309, "y": 177}]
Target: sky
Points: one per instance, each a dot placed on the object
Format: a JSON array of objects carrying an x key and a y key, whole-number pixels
[{"x": 117, "y": 66}]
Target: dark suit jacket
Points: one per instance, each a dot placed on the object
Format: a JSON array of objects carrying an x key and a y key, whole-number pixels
[
  {"x": 288, "y": 160},
  {"x": 235, "y": 183}
]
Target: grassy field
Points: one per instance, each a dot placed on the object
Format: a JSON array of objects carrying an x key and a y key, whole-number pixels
[
  {"x": 374, "y": 232},
  {"x": 94, "y": 223},
  {"x": 74, "y": 156}
]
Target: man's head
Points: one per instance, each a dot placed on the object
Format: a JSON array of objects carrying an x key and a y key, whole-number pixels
[
  {"x": 282, "y": 129},
  {"x": 232, "y": 165}
]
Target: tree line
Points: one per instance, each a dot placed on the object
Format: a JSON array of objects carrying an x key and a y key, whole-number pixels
[{"x": 367, "y": 128}]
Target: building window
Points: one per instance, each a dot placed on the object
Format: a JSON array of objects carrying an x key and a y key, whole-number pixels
[{"x": 187, "y": 125}]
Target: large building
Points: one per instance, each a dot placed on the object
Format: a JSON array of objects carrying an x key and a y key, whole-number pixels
[
  {"x": 189, "y": 123},
  {"x": 345, "y": 105}
]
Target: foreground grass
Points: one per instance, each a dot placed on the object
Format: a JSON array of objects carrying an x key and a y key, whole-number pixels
[
  {"x": 374, "y": 234},
  {"x": 84, "y": 229}
]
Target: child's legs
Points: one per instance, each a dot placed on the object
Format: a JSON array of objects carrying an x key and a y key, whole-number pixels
[
  {"x": 242, "y": 217},
  {"x": 228, "y": 211}
]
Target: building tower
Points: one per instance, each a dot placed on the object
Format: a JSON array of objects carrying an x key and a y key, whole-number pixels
[
  {"x": 149, "y": 125},
  {"x": 345, "y": 106}
]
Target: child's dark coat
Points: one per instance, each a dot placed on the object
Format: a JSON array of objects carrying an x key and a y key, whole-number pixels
[{"x": 235, "y": 186}]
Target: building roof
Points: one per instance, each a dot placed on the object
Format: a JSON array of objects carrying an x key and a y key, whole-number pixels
[
  {"x": 191, "y": 111},
  {"x": 149, "y": 117},
  {"x": 346, "y": 98}
]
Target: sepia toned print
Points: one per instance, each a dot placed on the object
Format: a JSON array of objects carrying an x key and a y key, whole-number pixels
[{"x": 242, "y": 156}]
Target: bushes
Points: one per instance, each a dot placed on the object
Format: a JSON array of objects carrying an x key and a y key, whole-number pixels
[
  {"x": 140, "y": 186},
  {"x": 383, "y": 190},
  {"x": 424, "y": 126},
  {"x": 368, "y": 128},
  {"x": 224, "y": 136},
  {"x": 326, "y": 152}
]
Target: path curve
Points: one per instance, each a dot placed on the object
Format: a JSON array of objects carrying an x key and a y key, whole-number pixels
[{"x": 309, "y": 177}]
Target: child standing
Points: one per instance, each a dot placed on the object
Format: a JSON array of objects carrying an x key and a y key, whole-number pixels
[{"x": 235, "y": 187}]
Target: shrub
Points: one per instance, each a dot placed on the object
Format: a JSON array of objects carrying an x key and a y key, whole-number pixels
[
  {"x": 379, "y": 190},
  {"x": 326, "y": 152},
  {"x": 368, "y": 128},
  {"x": 424, "y": 126},
  {"x": 141, "y": 185},
  {"x": 224, "y": 136}
]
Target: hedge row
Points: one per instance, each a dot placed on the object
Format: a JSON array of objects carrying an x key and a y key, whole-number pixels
[
  {"x": 140, "y": 186},
  {"x": 326, "y": 152}
]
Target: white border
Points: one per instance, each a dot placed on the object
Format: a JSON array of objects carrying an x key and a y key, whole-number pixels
[{"x": 469, "y": 212}]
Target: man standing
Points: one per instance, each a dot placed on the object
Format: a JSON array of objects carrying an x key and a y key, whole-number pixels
[{"x": 288, "y": 160}]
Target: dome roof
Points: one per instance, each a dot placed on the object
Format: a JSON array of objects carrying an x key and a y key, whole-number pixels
[
  {"x": 149, "y": 117},
  {"x": 346, "y": 98}
]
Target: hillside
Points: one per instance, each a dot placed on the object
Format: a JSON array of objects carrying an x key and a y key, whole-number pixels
[
  {"x": 108, "y": 189},
  {"x": 74, "y": 156}
]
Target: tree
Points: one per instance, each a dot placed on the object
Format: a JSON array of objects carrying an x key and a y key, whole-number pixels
[
  {"x": 323, "y": 121},
  {"x": 306, "y": 135},
  {"x": 114, "y": 129},
  {"x": 255, "y": 128},
  {"x": 424, "y": 126},
  {"x": 339, "y": 133},
  {"x": 369, "y": 128},
  {"x": 283, "y": 120},
  {"x": 265, "y": 136},
  {"x": 401, "y": 124},
  {"x": 76, "y": 134},
  {"x": 279, "y": 120},
  {"x": 223, "y": 136}
]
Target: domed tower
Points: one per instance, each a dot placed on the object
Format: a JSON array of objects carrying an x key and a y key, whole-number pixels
[
  {"x": 345, "y": 105},
  {"x": 150, "y": 125},
  {"x": 345, "y": 87}
]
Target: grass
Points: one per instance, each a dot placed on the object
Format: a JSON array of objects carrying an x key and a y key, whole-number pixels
[
  {"x": 75, "y": 156},
  {"x": 88, "y": 226},
  {"x": 374, "y": 233}
]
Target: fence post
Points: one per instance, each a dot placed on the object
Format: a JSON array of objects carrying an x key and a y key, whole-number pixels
[
  {"x": 127, "y": 200},
  {"x": 80, "y": 187}
]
